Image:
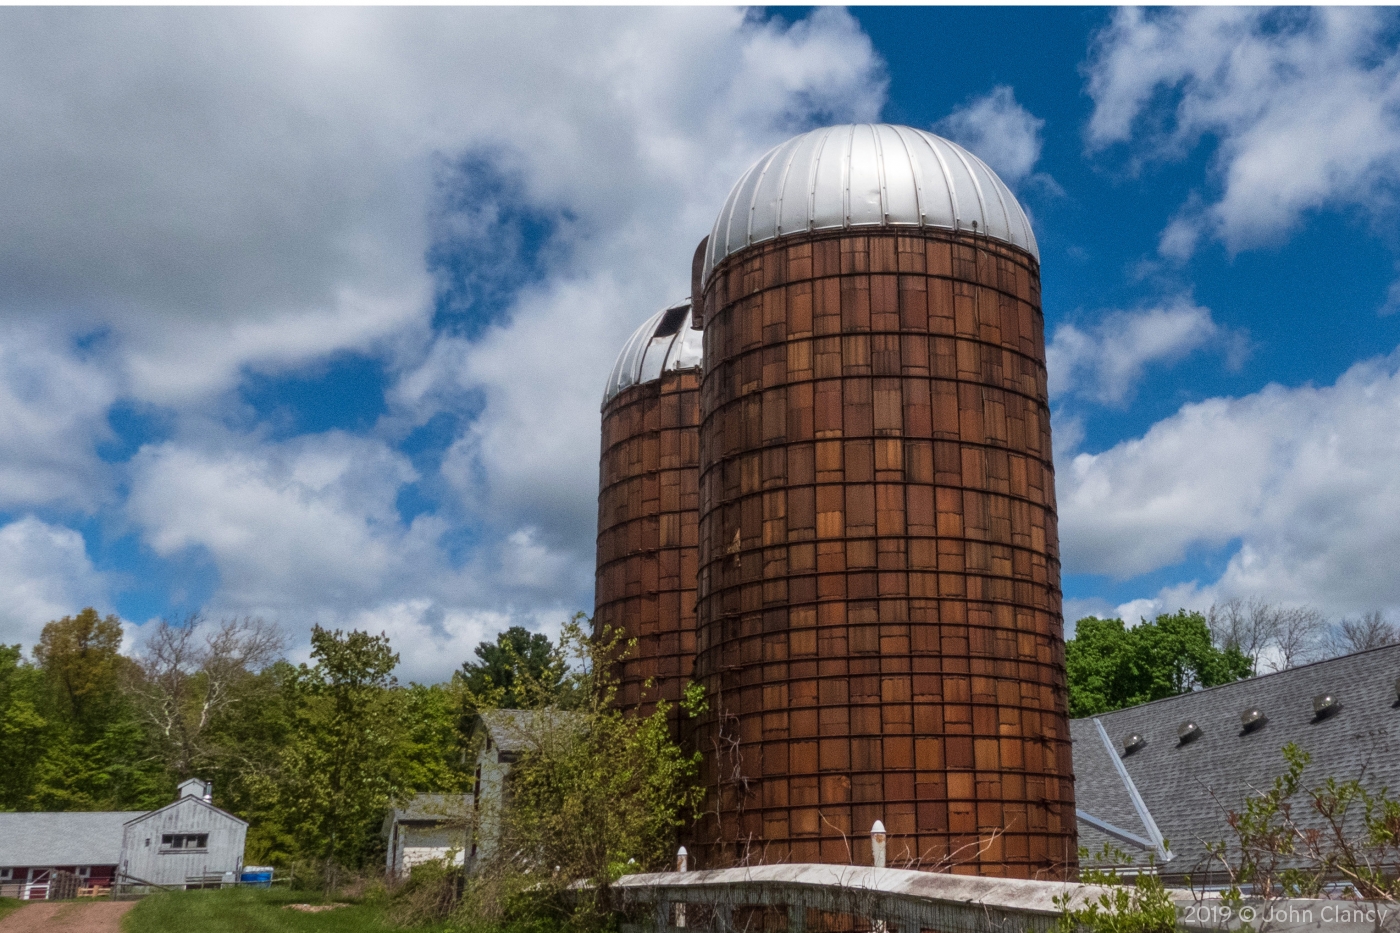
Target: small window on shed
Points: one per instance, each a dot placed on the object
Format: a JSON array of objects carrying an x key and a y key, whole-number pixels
[{"x": 181, "y": 842}]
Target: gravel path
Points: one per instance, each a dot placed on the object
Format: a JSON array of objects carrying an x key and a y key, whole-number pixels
[{"x": 67, "y": 917}]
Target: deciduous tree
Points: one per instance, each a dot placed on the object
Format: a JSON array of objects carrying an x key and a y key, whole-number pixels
[
  {"x": 189, "y": 674},
  {"x": 1111, "y": 666},
  {"x": 347, "y": 728},
  {"x": 1372, "y": 630}
]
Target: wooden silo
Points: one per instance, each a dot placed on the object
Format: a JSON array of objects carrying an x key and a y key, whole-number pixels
[
  {"x": 879, "y": 626},
  {"x": 648, "y": 507}
]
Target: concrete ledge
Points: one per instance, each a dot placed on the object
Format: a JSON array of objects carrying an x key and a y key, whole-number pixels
[{"x": 902, "y": 900}]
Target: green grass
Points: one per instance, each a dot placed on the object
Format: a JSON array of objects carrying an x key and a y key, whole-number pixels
[
  {"x": 9, "y": 905},
  {"x": 249, "y": 910}
]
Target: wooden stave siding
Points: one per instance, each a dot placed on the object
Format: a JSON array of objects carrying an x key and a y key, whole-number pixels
[
  {"x": 648, "y": 511},
  {"x": 925, "y": 684}
]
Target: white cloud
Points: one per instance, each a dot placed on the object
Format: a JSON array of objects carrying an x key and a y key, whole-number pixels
[
  {"x": 1105, "y": 362},
  {"x": 45, "y": 574},
  {"x": 1392, "y": 299},
  {"x": 223, "y": 190},
  {"x": 306, "y": 523},
  {"x": 306, "y": 531},
  {"x": 1303, "y": 484},
  {"x": 432, "y": 640},
  {"x": 243, "y": 187},
  {"x": 647, "y": 183},
  {"x": 1304, "y": 106},
  {"x": 1000, "y": 132},
  {"x": 53, "y": 411}
]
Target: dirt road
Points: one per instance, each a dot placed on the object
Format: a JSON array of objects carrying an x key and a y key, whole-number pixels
[{"x": 67, "y": 917}]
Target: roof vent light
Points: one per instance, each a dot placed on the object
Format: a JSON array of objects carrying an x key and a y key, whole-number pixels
[
  {"x": 1252, "y": 719},
  {"x": 1132, "y": 743},
  {"x": 1188, "y": 731},
  {"x": 1324, "y": 705}
]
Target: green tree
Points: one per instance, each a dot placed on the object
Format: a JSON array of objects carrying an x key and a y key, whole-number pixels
[
  {"x": 597, "y": 793},
  {"x": 347, "y": 731},
  {"x": 245, "y": 759},
  {"x": 96, "y": 756},
  {"x": 24, "y": 730},
  {"x": 433, "y": 753},
  {"x": 1111, "y": 666},
  {"x": 509, "y": 672},
  {"x": 82, "y": 657},
  {"x": 190, "y": 675}
]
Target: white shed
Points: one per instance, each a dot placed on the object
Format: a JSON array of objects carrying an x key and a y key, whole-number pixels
[
  {"x": 188, "y": 843},
  {"x": 430, "y": 826}
]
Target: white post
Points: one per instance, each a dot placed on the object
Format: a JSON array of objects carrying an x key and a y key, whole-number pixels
[
  {"x": 877, "y": 844},
  {"x": 682, "y": 865}
]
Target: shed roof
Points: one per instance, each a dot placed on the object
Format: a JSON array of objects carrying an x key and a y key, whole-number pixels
[
  {"x": 1189, "y": 787},
  {"x": 514, "y": 730},
  {"x": 431, "y": 808},
  {"x": 55, "y": 839}
]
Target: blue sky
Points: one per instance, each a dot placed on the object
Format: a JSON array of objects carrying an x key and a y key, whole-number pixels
[{"x": 306, "y": 313}]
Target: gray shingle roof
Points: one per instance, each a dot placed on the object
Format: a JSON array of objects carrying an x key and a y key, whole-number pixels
[
  {"x": 431, "y": 808},
  {"x": 38, "y": 840},
  {"x": 513, "y": 730},
  {"x": 1189, "y": 788}
]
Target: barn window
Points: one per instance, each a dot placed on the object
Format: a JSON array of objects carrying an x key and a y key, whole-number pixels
[{"x": 184, "y": 841}]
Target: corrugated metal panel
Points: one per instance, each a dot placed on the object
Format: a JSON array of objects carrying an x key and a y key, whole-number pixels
[{"x": 867, "y": 175}]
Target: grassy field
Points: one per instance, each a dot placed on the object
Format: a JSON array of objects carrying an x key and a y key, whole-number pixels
[
  {"x": 249, "y": 910},
  {"x": 8, "y": 904}
]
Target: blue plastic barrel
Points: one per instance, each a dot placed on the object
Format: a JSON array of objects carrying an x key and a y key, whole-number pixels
[{"x": 256, "y": 876}]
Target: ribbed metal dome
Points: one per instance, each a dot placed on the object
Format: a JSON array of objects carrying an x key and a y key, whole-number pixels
[
  {"x": 664, "y": 343},
  {"x": 866, "y": 175}
]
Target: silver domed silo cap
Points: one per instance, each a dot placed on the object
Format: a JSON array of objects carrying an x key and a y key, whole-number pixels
[
  {"x": 862, "y": 176},
  {"x": 665, "y": 343}
]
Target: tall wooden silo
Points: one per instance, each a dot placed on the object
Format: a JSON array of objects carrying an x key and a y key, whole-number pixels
[{"x": 879, "y": 624}]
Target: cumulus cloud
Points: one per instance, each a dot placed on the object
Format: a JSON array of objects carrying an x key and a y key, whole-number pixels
[
  {"x": 218, "y": 192},
  {"x": 53, "y": 413},
  {"x": 45, "y": 574},
  {"x": 1304, "y": 106},
  {"x": 701, "y": 107},
  {"x": 312, "y": 520},
  {"x": 250, "y": 187},
  {"x": 307, "y": 531},
  {"x": 1300, "y": 484},
  {"x": 1000, "y": 132},
  {"x": 1106, "y": 361}
]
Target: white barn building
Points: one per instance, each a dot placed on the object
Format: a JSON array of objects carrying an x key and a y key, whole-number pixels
[{"x": 188, "y": 843}]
